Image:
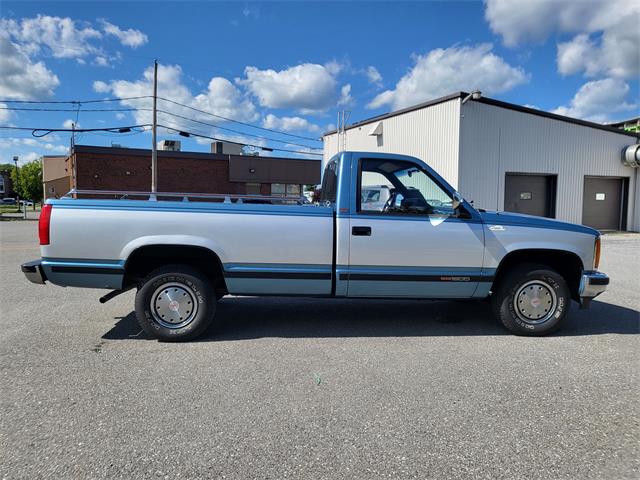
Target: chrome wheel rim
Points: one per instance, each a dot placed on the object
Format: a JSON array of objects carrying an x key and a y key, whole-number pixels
[
  {"x": 174, "y": 305},
  {"x": 535, "y": 302}
]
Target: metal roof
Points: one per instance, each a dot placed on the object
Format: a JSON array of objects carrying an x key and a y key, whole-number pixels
[{"x": 495, "y": 103}]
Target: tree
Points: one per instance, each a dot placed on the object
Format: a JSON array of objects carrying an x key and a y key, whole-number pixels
[{"x": 29, "y": 183}]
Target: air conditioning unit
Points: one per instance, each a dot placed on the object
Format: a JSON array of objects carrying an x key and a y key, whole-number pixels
[
  {"x": 170, "y": 145},
  {"x": 228, "y": 148}
]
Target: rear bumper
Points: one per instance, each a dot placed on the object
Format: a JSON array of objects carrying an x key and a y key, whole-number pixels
[
  {"x": 592, "y": 284},
  {"x": 33, "y": 271}
]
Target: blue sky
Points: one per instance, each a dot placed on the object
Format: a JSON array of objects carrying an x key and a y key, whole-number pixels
[{"x": 292, "y": 66}]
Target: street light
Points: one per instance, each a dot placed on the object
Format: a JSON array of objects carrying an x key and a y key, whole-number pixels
[{"x": 475, "y": 95}]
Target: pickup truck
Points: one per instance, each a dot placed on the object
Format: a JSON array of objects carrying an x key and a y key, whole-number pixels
[{"x": 183, "y": 252}]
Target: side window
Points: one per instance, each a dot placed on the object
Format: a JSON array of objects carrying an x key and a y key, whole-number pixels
[
  {"x": 397, "y": 187},
  {"x": 329, "y": 183}
]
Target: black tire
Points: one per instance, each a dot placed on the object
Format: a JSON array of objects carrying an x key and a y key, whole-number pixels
[
  {"x": 184, "y": 294},
  {"x": 542, "y": 304}
]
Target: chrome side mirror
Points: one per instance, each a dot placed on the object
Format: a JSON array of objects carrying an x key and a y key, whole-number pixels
[{"x": 457, "y": 200}]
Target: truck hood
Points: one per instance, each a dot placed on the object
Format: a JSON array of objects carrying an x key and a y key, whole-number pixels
[{"x": 522, "y": 220}]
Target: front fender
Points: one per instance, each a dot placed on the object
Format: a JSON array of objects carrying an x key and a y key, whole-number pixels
[{"x": 499, "y": 243}]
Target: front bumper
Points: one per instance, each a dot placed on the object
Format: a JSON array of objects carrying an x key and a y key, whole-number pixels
[
  {"x": 592, "y": 284},
  {"x": 33, "y": 271}
]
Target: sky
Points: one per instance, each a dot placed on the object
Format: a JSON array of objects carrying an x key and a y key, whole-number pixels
[{"x": 288, "y": 68}]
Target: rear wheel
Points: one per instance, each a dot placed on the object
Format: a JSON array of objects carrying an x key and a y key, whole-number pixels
[
  {"x": 175, "y": 303},
  {"x": 531, "y": 300}
]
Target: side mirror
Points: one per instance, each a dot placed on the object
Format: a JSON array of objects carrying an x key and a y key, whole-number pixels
[{"x": 457, "y": 200}]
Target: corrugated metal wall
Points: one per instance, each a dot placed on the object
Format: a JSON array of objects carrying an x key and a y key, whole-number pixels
[
  {"x": 496, "y": 140},
  {"x": 430, "y": 134},
  {"x": 473, "y": 145}
]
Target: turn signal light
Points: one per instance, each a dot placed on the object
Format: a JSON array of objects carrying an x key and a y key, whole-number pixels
[
  {"x": 43, "y": 224},
  {"x": 596, "y": 254}
]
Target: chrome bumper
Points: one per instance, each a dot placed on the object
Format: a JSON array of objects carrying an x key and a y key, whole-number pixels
[
  {"x": 592, "y": 284},
  {"x": 33, "y": 272}
]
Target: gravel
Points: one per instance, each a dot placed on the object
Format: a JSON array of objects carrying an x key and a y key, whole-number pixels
[{"x": 307, "y": 388}]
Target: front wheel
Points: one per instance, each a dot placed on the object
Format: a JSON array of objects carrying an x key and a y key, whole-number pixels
[
  {"x": 532, "y": 300},
  {"x": 175, "y": 303}
]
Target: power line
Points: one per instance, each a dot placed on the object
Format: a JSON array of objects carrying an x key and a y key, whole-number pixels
[
  {"x": 115, "y": 99},
  {"x": 121, "y": 99},
  {"x": 42, "y": 132},
  {"x": 261, "y": 147},
  {"x": 237, "y": 131},
  {"x": 88, "y": 110},
  {"x": 27, "y": 109},
  {"x": 238, "y": 121}
]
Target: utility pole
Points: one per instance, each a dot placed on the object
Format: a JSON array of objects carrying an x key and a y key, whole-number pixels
[
  {"x": 16, "y": 186},
  {"x": 154, "y": 146}
]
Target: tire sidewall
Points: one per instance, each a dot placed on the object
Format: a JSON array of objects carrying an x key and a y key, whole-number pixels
[
  {"x": 203, "y": 296},
  {"x": 508, "y": 312}
]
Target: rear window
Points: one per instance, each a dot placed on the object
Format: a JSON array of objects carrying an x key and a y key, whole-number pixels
[{"x": 329, "y": 183}]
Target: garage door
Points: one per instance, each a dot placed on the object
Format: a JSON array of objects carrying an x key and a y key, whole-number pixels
[
  {"x": 602, "y": 203},
  {"x": 530, "y": 194}
]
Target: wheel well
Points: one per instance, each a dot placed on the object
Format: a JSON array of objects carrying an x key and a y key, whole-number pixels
[
  {"x": 144, "y": 260},
  {"x": 567, "y": 264}
]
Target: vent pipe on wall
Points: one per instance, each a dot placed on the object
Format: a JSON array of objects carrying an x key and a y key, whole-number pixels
[{"x": 631, "y": 156}]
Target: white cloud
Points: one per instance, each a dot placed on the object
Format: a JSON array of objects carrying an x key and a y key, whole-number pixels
[
  {"x": 221, "y": 98},
  {"x": 443, "y": 71},
  {"x": 101, "y": 61},
  {"x": 306, "y": 88},
  {"x": 289, "y": 124},
  {"x": 345, "y": 96},
  {"x": 101, "y": 87},
  {"x": 373, "y": 75},
  {"x": 22, "y": 79},
  {"x": 28, "y": 157},
  {"x": 597, "y": 100},
  {"x": 4, "y": 114},
  {"x": 63, "y": 36},
  {"x": 606, "y": 33},
  {"x": 68, "y": 123},
  {"x": 120, "y": 116},
  {"x": 130, "y": 38}
]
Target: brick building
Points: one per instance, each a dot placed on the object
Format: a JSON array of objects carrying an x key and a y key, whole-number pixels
[
  {"x": 6, "y": 185},
  {"x": 56, "y": 176},
  {"x": 129, "y": 169}
]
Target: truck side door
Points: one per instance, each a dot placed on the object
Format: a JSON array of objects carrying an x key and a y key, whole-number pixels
[{"x": 417, "y": 245}]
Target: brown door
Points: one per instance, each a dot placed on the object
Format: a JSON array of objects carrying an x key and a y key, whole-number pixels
[
  {"x": 530, "y": 194},
  {"x": 602, "y": 203}
]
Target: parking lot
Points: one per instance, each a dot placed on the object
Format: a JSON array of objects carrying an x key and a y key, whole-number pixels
[{"x": 307, "y": 388}]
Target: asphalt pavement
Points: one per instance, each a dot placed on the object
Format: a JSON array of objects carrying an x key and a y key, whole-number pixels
[{"x": 306, "y": 388}]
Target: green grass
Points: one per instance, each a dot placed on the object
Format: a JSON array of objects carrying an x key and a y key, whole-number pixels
[{"x": 14, "y": 208}]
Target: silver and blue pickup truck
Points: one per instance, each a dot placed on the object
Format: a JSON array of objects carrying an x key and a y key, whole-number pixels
[{"x": 183, "y": 252}]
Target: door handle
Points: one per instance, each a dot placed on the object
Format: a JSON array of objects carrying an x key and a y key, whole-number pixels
[{"x": 361, "y": 231}]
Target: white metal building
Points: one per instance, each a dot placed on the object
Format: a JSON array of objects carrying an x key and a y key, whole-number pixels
[{"x": 508, "y": 157}]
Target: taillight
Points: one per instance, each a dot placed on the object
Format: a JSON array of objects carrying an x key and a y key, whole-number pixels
[
  {"x": 596, "y": 254},
  {"x": 43, "y": 224}
]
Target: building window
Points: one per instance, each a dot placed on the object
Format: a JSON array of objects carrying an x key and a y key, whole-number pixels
[
  {"x": 293, "y": 190},
  {"x": 288, "y": 189},
  {"x": 253, "y": 188},
  {"x": 1, "y": 184},
  {"x": 278, "y": 189}
]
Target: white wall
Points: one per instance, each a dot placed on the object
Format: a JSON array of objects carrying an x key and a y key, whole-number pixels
[
  {"x": 430, "y": 134},
  {"x": 497, "y": 140}
]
